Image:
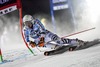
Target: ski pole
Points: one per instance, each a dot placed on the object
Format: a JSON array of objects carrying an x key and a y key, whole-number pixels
[
  {"x": 39, "y": 49},
  {"x": 78, "y": 32}
]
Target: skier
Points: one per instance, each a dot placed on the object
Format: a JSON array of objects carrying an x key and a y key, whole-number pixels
[{"x": 36, "y": 34}]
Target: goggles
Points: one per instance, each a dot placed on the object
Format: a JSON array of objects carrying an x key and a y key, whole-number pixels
[{"x": 27, "y": 23}]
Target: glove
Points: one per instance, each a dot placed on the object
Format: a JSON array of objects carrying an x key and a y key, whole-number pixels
[
  {"x": 41, "y": 43},
  {"x": 32, "y": 44}
]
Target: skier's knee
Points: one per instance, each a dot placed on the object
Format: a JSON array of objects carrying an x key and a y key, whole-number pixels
[{"x": 65, "y": 41}]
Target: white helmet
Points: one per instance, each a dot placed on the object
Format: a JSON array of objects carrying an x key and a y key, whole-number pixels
[{"x": 27, "y": 18}]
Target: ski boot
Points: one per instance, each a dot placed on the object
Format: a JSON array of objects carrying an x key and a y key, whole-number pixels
[{"x": 76, "y": 43}]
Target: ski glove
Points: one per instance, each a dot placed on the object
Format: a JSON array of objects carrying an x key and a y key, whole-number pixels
[
  {"x": 41, "y": 43},
  {"x": 32, "y": 44}
]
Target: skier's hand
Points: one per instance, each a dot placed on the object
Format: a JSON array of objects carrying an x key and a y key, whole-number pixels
[
  {"x": 32, "y": 44},
  {"x": 41, "y": 43}
]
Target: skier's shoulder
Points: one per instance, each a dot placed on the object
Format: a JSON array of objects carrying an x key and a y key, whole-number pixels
[{"x": 37, "y": 21}]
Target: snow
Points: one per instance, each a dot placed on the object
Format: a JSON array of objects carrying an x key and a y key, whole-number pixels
[
  {"x": 22, "y": 57},
  {"x": 89, "y": 57}
]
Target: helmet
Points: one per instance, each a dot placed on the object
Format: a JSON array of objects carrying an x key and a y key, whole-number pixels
[{"x": 27, "y": 19}]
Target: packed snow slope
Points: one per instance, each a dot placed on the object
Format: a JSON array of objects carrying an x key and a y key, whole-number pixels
[{"x": 89, "y": 57}]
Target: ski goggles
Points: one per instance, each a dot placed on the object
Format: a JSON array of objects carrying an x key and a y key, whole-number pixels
[{"x": 27, "y": 23}]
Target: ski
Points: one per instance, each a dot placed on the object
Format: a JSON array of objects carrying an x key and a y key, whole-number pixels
[{"x": 63, "y": 49}]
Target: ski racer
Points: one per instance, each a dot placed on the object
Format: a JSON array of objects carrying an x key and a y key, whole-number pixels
[{"x": 36, "y": 34}]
